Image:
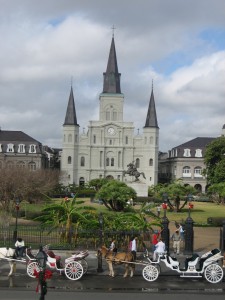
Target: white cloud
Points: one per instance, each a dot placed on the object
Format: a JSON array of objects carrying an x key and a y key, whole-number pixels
[{"x": 44, "y": 45}]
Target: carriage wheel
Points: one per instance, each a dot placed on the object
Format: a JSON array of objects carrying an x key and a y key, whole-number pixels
[
  {"x": 213, "y": 273},
  {"x": 150, "y": 273},
  {"x": 31, "y": 267},
  {"x": 84, "y": 265},
  {"x": 74, "y": 270}
]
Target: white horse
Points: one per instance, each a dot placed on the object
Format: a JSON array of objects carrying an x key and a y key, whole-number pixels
[{"x": 8, "y": 253}]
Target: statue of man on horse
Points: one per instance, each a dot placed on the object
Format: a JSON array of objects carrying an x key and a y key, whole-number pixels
[{"x": 132, "y": 171}]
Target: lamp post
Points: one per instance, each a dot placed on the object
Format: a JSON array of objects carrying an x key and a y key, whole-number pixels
[
  {"x": 100, "y": 220},
  {"x": 165, "y": 223},
  {"x": 189, "y": 232},
  {"x": 17, "y": 212},
  {"x": 42, "y": 259}
]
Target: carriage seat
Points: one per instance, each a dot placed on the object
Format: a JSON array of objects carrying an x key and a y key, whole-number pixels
[
  {"x": 215, "y": 251},
  {"x": 173, "y": 262},
  {"x": 52, "y": 255},
  {"x": 29, "y": 253},
  {"x": 191, "y": 261}
]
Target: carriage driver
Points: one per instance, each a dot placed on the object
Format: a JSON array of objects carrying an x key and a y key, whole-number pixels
[{"x": 20, "y": 247}]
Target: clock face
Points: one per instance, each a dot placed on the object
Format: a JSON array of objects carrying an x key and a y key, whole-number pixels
[{"x": 111, "y": 131}]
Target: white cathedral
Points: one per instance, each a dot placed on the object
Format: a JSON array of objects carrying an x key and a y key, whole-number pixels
[{"x": 109, "y": 144}]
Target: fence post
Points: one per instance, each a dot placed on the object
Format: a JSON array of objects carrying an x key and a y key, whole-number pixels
[
  {"x": 189, "y": 235},
  {"x": 165, "y": 234}
]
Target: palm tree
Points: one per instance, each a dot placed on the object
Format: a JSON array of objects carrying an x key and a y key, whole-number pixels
[{"x": 67, "y": 215}]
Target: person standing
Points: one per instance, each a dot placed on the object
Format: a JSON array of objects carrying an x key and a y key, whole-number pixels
[
  {"x": 181, "y": 231},
  {"x": 158, "y": 208},
  {"x": 134, "y": 247},
  {"x": 160, "y": 247},
  {"x": 155, "y": 239},
  {"x": 176, "y": 238}
]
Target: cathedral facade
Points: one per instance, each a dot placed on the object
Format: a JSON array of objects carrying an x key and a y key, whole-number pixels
[{"x": 109, "y": 144}]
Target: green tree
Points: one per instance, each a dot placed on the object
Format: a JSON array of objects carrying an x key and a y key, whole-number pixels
[
  {"x": 217, "y": 192},
  {"x": 97, "y": 183},
  {"x": 214, "y": 159},
  {"x": 173, "y": 193},
  {"x": 67, "y": 215},
  {"x": 115, "y": 194}
]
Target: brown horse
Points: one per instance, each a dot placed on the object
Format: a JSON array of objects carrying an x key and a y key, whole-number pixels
[{"x": 118, "y": 258}]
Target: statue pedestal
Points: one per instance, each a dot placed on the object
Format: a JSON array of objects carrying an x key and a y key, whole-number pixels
[{"x": 140, "y": 188}]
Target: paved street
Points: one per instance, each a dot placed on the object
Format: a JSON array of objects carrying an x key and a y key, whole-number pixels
[{"x": 168, "y": 282}]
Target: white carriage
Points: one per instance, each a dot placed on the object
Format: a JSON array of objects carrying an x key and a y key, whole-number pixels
[
  {"x": 205, "y": 266},
  {"x": 74, "y": 267}
]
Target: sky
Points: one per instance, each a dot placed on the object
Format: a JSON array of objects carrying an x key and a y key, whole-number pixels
[{"x": 49, "y": 45}]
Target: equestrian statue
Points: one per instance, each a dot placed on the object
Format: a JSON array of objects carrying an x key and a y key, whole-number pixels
[{"x": 132, "y": 171}]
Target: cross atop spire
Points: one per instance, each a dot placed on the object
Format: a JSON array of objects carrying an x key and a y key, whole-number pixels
[{"x": 113, "y": 30}]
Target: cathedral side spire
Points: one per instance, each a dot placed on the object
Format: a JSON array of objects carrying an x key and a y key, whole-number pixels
[
  {"x": 112, "y": 76},
  {"x": 151, "y": 119},
  {"x": 71, "y": 118}
]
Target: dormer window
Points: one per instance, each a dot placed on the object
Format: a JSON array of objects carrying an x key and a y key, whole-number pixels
[
  {"x": 32, "y": 148},
  {"x": 10, "y": 148},
  {"x": 198, "y": 153},
  {"x": 187, "y": 152},
  {"x": 21, "y": 148}
]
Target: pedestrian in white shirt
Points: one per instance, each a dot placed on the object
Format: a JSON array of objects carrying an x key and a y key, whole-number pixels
[
  {"x": 160, "y": 247},
  {"x": 134, "y": 247}
]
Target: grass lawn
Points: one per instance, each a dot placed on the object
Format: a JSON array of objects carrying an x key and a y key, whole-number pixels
[{"x": 200, "y": 213}]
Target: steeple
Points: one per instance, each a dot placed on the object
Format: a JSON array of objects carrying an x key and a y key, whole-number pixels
[
  {"x": 112, "y": 76},
  {"x": 71, "y": 118},
  {"x": 151, "y": 119}
]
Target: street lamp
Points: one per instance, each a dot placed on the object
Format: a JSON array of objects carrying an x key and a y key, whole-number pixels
[
  {"x": 17, "y": 212},
  {"x": 42, "y": 259},
  {"x": 190, "y": 205},
  {"x": 165, "y": 223},
  {"x": 100, "y": 220},
  {"x": 189, "y": 231}
]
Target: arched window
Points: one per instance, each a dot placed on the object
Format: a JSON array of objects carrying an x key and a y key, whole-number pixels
[
  {"x": 137, "y": 163},
  {"x": 94, "y": 139},
  {"x": 70, "y": 138},
  {"x": 107, "y": 162},
  {"x": 10, "y": 165},
  {"x": 107, "y": 115},
  {"x": 69, "y": 160},
  {"x": 81, "y": 181},
  {"x": 126, "y": 140},
  {"x": 82, "y": 161},
  {"x": 114, "y": 115},
  {"x": 112, "y": 162},
  {"x": 150, "y": 162},
  {"x": 197, "y": 172},
  {"x": 20, "y": 165},
  {"x": 32, "y": 166},
  {"x": 151, "y": 139},
  {"x": 186, "y": 171}
]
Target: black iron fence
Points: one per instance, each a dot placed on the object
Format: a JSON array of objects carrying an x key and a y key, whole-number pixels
[{"x": 58, "y": 238}]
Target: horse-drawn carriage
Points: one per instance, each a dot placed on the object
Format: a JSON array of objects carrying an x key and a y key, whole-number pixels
[
  {"x": 207, "y": 265},
  {"x": 195, "y": 266},
  {"x": 73, "y": 267}
]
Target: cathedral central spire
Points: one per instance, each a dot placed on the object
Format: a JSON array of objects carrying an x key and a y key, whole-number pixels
[{"x": 112, "y": 76}]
